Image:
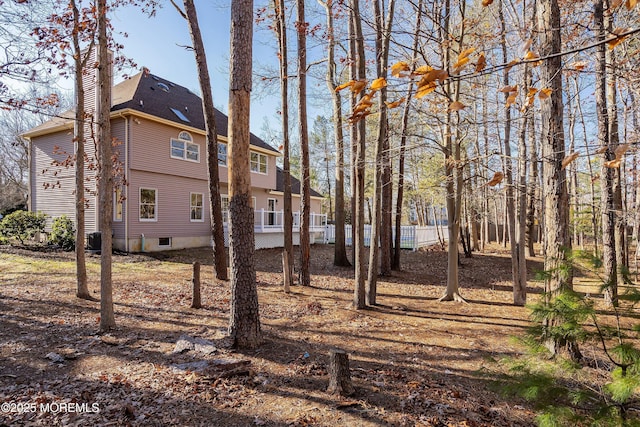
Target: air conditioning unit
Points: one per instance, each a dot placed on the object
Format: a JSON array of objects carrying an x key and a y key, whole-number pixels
[{"x": 94, "y": 241}]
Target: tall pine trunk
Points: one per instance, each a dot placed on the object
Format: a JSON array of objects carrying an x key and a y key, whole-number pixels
[
  {"x": 286, "y": 162},
  {"x": 105, "y": 185},
  {"x": 556, "y": 203},
  {"x": 244, "y": 317},
  {"x": 305, "y": 190}
]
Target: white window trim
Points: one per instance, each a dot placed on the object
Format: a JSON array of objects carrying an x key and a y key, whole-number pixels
[
  {"x": 186, "y": 143},
  {"x": 266, "y": 163},
  {"x": 115, "y": 206},
  {"x": 192, "y": 206},
  {"x": 165, "y": 246},
  {"x": 155, "y": 219},
  {"x": 226, "y": 155}
]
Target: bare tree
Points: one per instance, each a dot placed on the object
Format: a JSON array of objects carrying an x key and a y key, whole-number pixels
[
  {"x": 607, "y": 173},
  {"x": 379, "y": 247},
  {"x": 80, "y": 63},
  {"x": 340, "y": 250},
  {"x": 395, "y": 264}
]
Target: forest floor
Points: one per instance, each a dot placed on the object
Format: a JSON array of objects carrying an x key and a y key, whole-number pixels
[{"x": 414, "y": 361}]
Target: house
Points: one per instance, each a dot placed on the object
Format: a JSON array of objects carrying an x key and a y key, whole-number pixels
[{"x": 160, "y": 143}]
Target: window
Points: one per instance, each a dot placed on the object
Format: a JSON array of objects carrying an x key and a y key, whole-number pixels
[
  {"x": 179, "y": 114},
  {"x": 148, "y": 204},
  {"x": 118, "y": 202},
  {"x": 197, "y": 207},
  {"x": 164, "y": 241},
  {"x": 271, "y": 211},
  {"x": 258, "y": 162},
  {"x": 222, "y": 154},
  {"x": 183, "y": 148}
]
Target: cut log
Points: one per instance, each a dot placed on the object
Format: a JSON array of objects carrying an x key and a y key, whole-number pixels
[
  {"x": 339, "y": 374},
  {"x": 195, "y": 301}
]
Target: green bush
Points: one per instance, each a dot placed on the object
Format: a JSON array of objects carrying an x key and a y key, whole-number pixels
[
  {"x": 63, "y": 233},
  {"x": 563, "y": 396},
  {"x": 22, "y": 225}
]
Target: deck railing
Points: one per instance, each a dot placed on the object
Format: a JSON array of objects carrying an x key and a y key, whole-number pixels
[{"x": 265, "y": 221}]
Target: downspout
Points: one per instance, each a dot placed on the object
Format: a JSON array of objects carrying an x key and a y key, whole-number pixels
[
  {"x": 29, "y": 180},
  {"x": 125, "y": 208}
]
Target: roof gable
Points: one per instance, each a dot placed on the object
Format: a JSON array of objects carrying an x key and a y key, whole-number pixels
[{"x": 161, "y": 98}]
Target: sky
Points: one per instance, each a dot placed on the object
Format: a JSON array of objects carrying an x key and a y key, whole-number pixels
[{"x": 158, "y": 43}]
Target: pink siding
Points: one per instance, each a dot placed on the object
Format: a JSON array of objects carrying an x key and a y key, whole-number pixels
[
  {"x": 150, "y": 150},
  {"x": 173, "y": 206},
  {"x": 53, "y": 187}
]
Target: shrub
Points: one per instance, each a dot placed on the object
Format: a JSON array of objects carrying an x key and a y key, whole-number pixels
[
  {"x": 563, "y": 396},
  {"x": 22, "y": 225},
  {"x": 63, "y": 233}
]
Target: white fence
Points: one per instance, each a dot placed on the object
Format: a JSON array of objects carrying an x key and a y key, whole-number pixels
[{"x": 411, "y": 236}]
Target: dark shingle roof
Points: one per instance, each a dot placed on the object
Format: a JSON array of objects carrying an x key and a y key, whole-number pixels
[
  {"x": 295, "y": 184},
  {"x": 154, "y": 95}
]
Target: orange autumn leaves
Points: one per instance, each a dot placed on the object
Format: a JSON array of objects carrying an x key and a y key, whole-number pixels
[
  {"x": 615, "y": 163},
  {"x": 363, "y": 107}
]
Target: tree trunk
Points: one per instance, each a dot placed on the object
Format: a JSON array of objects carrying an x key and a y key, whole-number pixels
[
  {"x": 533, "y": 185},
  {"x": 606, "y": 173},
  {"x": 80, "y": 61},
  {"x": 618, "y": 182},
  {"x": 340, "y": 258},
  {"x": 452, "y": 164},
  {"x": 244, "y": 318},
  {"x": 592, "y": 186},
  {"x": 360, "y": 141},
  {"x": 519, "y": 288},
  {"x": 305, "y": 185},
  {"x": 286, "y": 162},
  {"x": 386, "y": 203},
  {"x": 556, "y": 211},
  {"x": 339, "y": 374},
  {"x": 105, "y": 185},
  {"x": 403, "y": 144},
  {"x": 380, "y": 242},
  {"x": 196, "y": 300},
  {"x": 215, "y": 200}
]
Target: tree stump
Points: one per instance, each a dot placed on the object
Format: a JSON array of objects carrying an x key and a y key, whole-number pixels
[
  {"x": 195, "y": 301},
  {"x": 339, "y": 374}
]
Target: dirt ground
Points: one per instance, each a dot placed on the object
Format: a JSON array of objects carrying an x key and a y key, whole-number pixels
[{"x": 414, "y": 361}]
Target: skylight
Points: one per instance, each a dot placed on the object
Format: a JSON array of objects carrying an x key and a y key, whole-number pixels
[
  {"x": 163, "y": 86},
  {"x": 180, "y": 115}
]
